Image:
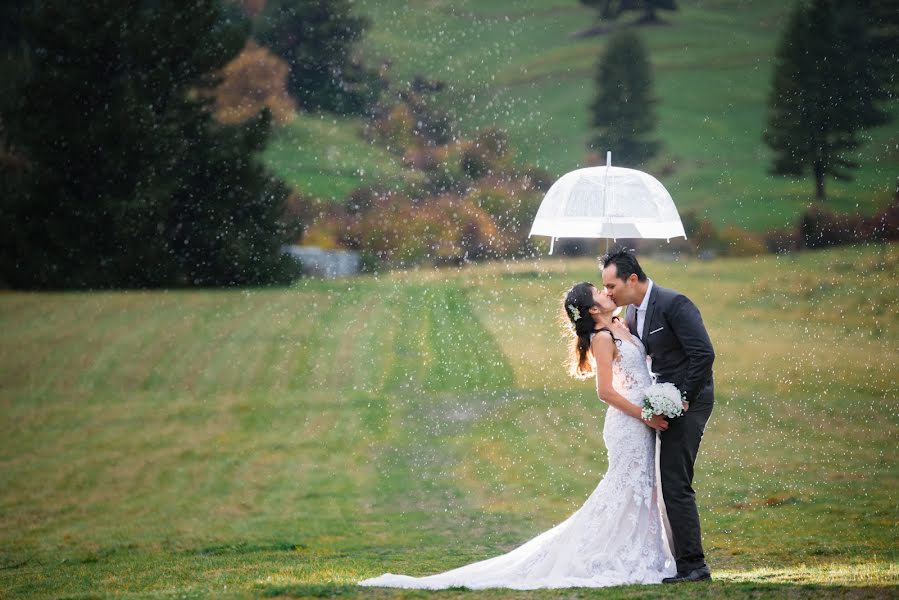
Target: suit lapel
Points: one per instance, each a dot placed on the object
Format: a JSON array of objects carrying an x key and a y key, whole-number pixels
[{"x": 647, "y": 321}]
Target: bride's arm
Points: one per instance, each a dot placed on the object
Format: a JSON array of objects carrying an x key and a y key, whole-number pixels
[{"x": 603, "y": 347}]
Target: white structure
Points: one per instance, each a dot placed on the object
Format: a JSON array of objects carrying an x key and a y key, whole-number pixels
[
  {"x": 325, "y": 263},
  {"x": 607, "y": 202}
]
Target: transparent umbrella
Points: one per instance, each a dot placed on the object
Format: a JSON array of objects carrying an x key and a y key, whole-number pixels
[{"x": 607, "y": 202}]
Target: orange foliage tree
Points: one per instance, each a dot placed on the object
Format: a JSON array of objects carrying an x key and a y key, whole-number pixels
[{"x": 254, "y": 80}]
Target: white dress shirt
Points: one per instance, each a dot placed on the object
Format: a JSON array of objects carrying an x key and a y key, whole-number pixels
[{"x": 641, "y": 310}]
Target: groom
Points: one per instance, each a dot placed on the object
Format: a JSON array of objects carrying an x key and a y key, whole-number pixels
[{"x": 671, "y": 329}]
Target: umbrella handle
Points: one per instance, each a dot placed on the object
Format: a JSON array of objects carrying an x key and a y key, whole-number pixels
[{"x": 552, "y": 242}]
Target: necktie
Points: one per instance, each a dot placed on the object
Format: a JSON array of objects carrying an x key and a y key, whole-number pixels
[{"x": 632, "y": 319}]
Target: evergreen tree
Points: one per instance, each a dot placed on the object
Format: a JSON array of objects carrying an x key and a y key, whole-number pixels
[
  {"x": 882, "y": 18},
  {"x": 827, "y": 88},
  {"x": 623, "y": 112},
  {"x": 317, "y": 38},
  {"x": 612, "y": 9},
  {"x": 122, "y": 177}
]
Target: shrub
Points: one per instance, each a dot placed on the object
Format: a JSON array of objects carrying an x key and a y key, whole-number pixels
[
  {"x": 701, "y": 234},
  {"x": 511, "y": 211},
  {"x": 487, "y": 154},
  {"x": 537, "y": 178},
  {"x": 400, "y": 231},
  {"x": 739, "y": 242}
]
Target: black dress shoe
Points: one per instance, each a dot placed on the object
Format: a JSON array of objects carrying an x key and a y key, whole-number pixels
[{"x": 703, "y": 573}]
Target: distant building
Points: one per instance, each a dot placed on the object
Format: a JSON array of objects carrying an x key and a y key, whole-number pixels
[{"x": 329, "y": 264}]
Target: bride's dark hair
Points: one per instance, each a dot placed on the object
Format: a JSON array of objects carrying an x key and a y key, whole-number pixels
[{"x": 575, "y": 304}]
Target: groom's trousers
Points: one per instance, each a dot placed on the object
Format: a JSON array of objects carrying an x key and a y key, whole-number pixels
[{"x": 680, "y": 444}]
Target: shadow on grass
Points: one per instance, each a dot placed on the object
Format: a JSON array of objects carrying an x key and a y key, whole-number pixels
[
  {"x": 245, "y": 548},
  {"x": 729, "y": 590}
]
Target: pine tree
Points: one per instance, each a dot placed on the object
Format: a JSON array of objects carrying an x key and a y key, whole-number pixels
[
  {"x": 123, "y": 177},
  {"x": 623, "y": 112},
  {"x": 882, "y": 18},
  {"x": 612, "y": 9},
  {"x": 826, "y": 90}
]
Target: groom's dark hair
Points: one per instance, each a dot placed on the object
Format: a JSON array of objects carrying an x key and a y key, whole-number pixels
[{"x": 625, "y": 263}]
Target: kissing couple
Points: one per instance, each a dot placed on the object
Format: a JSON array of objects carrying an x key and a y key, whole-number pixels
[{"x": 640, "y": 525}]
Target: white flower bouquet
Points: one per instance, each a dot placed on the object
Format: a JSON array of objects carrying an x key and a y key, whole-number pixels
[{"x": 662, "y": 399}]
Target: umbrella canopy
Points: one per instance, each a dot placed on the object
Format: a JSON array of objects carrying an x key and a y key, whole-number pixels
[{"x": 607, "y": 202}]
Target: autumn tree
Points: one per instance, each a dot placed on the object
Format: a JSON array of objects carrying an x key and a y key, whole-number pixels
[{"x": 254, "y": 80}]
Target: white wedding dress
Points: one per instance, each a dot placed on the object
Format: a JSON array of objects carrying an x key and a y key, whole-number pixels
[{"x": 619, "y": 536}]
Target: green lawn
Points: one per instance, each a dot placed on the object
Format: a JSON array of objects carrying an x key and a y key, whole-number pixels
[
  {"x": 292, "y": 441},
  {"x": 326, "y": 157},
  {"x": 517, "y": 66}
]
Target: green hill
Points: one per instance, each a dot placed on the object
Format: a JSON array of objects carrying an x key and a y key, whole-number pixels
[
  {"x": 518, "y": 66},
  {"x": 288, "y": 442}
]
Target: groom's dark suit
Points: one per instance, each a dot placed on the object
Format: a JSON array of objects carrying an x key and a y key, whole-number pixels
[{"x": 682, "y": 354}]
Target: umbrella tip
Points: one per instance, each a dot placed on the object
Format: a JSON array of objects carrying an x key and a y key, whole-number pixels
[{"x": 608, "y": 158}]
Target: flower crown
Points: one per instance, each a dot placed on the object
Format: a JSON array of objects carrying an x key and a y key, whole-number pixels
[{"x": 574, "y": 312}]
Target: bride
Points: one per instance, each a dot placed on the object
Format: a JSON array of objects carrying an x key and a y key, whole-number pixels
[{"x": 618, "y": 536}]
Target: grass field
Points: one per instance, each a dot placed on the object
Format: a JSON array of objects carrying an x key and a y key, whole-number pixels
[
  {"x": 289, "y": 442},
  {"x": 517, "y": 66}
]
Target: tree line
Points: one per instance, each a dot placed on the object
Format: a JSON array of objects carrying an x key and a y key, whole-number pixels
[
  {"x": 114, "y": 171},
  {"x": 130, "y": 135},
  {"x": 834, "y": 78}
]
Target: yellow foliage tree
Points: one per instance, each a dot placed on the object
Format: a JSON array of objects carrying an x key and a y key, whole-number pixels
[{"x": 255, "y": 79}]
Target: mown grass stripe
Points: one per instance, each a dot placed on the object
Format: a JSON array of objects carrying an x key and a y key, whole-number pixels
[
  {"x": 238, "y": 355},
  {"x": 165, "y": 491}
]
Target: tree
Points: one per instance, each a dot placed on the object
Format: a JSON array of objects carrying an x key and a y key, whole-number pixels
[
  {"x": 317, "y": 38},
  {"x": 254, "y": 80},
  {"x": 826, "y": 89},
  {"x": 127, "y": 179},
  {"x": 623, "y": 112},
  {"x": 612, "y": 9},
  {"x": 882, "y": 18}
]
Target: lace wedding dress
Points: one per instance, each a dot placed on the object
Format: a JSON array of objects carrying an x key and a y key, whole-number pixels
[{"x": 617, "y": 537}]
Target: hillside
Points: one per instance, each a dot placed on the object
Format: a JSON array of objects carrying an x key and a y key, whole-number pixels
[
  {"x": 518, "y": 66},
  {"x": 273, "y": 442}
]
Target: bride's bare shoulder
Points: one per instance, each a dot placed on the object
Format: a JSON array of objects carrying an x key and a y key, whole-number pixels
[{"x": 603, "y": 345}]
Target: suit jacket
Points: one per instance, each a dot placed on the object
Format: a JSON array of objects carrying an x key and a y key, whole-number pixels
[{"x": 676, "y": 339}]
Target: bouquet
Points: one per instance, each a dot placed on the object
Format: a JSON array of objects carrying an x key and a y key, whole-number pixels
[{"x": 662, "y": 399}]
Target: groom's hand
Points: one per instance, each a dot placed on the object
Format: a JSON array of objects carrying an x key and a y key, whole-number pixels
[{"x": 657, "y": 422}]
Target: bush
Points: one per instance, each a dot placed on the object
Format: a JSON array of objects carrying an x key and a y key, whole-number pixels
[
  {"x": 537, "y": 178},
  {"x": 400, "y": 232},
  {"x": 511, "y": 211},
  {"x": 440, "y": 166},
  {"x": 702, "y": 236},
  {"x": 394, "y": 129},
  {"x": 820, "y": 228},
  {"x": 486, "y": 154},
  {"x": 738, "y": 242},
  {"x": 778, "y": 241}
]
